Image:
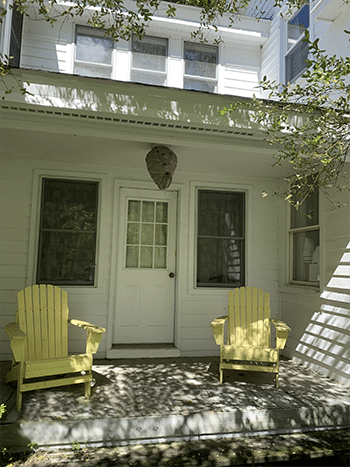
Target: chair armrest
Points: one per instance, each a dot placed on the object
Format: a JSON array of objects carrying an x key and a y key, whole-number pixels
[
  {"x": 94, "y": 334},
  {"x": 13, "y": 331},
  {"x": 218, "y": 329},
  {"x": 87, "y": 326},
  {"x": 282, "y": 330},
  {"x": 17, "y": 341}
]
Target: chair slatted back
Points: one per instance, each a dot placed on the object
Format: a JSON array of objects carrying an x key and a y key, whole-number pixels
[
  {"x": 43, "y": 315},
  {"x": 249, "y": 317}
]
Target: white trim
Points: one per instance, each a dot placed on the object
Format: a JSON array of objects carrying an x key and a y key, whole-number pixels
[
  {"x": 216, "y": 186},
  {"x": 39, "y": 174}
]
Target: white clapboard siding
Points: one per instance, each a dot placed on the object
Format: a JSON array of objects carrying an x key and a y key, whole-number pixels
[{"x": 241, "y": 81}]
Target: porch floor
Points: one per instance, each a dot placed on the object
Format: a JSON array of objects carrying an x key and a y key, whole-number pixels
[{"x": 142, "y": 400}]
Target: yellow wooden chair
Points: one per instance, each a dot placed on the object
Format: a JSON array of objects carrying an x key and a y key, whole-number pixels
[
  {"x": 248, "y": 344},
  {"x": 39, "y": 343}
]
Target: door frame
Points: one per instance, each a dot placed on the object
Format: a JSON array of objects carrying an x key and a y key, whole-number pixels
[{"x": 118, "y": 230}]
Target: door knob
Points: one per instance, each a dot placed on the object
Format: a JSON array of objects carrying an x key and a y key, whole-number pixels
[{"x": 171, "y": 274}]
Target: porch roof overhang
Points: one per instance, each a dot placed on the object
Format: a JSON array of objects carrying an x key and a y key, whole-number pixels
[{"x": 128, "y": 112}]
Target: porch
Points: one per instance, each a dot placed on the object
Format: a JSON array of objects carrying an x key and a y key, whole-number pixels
[{"x": 153, "y": 400}]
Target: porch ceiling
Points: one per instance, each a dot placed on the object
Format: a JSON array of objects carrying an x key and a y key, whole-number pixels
[{"x": 243, "y": 159}]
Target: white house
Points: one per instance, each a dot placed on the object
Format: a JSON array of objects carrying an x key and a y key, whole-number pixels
[{"x": 79, "y": 208}]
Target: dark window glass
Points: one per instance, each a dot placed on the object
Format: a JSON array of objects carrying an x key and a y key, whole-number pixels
[
  {"x": 221, "y": 239},
  {"x": 68, "y": 225}
]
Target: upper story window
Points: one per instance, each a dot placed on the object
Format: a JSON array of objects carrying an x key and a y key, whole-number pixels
[
  {"x": 149, "y": 60},
  {"x": 200, "y": 67},
  {"x": 67, "y": 232},
  {"x": 221, "y": 239},
  {"x": 304, "y": 236},
  {"x": 93, "y": 53},
  {"x": 297, "y": 49}
]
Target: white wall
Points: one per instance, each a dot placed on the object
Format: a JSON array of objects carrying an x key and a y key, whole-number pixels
[
  {"x": 24, "y": 160},
  {"x": 52, "y": 49}
]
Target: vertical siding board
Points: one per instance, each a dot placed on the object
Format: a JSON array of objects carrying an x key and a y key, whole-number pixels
[
  {"x": 44, "y": 324},
  {"x": 37, "y": 323},
  {"x": 51, "y": 321}
]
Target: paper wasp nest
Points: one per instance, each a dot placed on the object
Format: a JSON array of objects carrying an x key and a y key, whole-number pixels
[{"x": 161, "y": 164}]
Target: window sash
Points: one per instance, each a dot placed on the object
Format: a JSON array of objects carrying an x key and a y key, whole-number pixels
[
  {"x": 220, "y": 239},
  {"x": 149, "y": 60},
  {"x": 93, "y": 53},
  {"x": 68, "y": 232},
  {"x": 200, "y": 67}
]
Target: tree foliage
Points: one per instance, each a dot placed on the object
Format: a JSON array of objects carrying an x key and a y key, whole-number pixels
[{"x": 309, "y": 122}]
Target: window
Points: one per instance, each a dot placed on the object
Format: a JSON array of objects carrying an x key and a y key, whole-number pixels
[
  {"x": 149, "y": 60},
  {"x": 305, "y": 241},
  {"x": 93, "y": 53},
  {"x": 297, "y": 49},
  {"x": 200, "y": 67},
  {"x": 67, "y": 234},
  {"x": 221, "y": 239}
]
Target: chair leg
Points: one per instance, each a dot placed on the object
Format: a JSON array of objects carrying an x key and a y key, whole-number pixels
[
  {"x": 221, "y": 375},
  {"x": 19, "y": 396},
  {"x": 87, "y": 390},
  {"x": 276, "y": 377}
]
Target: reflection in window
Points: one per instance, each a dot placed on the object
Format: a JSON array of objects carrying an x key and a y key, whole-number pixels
[
  {"x": 298, "y": 50},
  {"x": 305, "y": 241},
  {"x": 149, "y": 60},
  {"x": 200, "y": 67},
  {"x": 221, "y": 239},
  {"x": 67, "y": 237},
  {"x": 93, "y": 53}
]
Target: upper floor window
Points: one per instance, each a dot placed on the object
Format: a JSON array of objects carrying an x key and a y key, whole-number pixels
[
  {"x": 93, "y": 53},
  {"x": 305, "y": 241},
  {"x": 221, "y": 239},
  {"x": 67, "y": 233},
  {"x": 200, "y": 67},
  {"x": 149, "y": 60},
  {"x": 297, "y": 49}
]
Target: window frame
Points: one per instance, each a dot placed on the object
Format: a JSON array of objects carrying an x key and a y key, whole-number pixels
[
  {"x": 198, "y": 77},
  {"x": 299, "y": 43},
  {"x": 292, "y": 231},
  {"x": 93, "y": 32},
  {"x": 38, "y": 175},
  {"x": 147, "y": 71}
]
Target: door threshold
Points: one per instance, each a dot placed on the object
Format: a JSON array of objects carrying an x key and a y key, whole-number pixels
[{"x": 143, "y": 351}]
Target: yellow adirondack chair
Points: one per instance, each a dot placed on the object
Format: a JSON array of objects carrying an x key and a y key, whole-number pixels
[
  {"x": 39, "y": 343},
  {"x": 249, "y": 333}
]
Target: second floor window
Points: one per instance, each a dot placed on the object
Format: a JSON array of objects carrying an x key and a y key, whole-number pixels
[
  {"x": 200, "y": 67},
  {"x": 93, "y": 53},
  {"x": 149, "y": 60},
  {"x": 298, "y": 50}
]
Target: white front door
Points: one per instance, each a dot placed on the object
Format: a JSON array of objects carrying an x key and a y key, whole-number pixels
[{"x": 145, "y": 289}]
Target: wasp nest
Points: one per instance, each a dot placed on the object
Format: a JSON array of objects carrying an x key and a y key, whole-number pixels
[{"x": 161, "y": 164}]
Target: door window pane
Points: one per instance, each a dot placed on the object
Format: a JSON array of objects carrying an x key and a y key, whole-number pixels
[
  {"x": 68, "y": 227},
  {"x": 151, "y": 219},
  {"x": 298, "y": 50},
  {"x": 221, "y": 242}
]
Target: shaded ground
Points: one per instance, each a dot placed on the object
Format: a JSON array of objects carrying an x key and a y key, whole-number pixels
[
  {"x": 330, "y": 448},
  {"x": 161, "y": 387}
]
